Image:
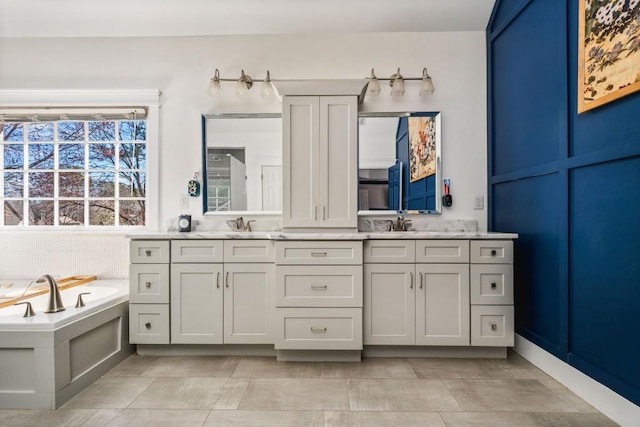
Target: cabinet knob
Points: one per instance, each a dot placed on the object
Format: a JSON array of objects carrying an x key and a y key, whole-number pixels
[
  {"x": 148, "y": 252},
  {"x": 319, "y": 330},
  {"x": 493, "y": 285},
  {"x": 147, "y": 284},
  {"x": 147, "y": 325},
  {"x": 494, "y": 327},
  {"x": 494, "y": 252}
]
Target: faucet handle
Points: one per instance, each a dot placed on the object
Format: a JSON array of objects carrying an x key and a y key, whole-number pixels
[
  {"x": 248, "y": 225},
  {"x": 80, "y": 301},
  {"x": 29, "y": 311},
  {"x": 405, "y": 223}
]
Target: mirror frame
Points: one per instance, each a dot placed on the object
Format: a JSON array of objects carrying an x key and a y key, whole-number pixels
[
  {"x": 205, "y": 118},
  {"x": 438, "y": 178}
]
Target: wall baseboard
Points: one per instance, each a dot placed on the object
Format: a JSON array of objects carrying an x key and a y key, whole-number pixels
[{"x": 601, "y": 397}]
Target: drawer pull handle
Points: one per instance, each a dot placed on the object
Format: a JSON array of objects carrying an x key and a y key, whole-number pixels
[
  {"x": 147, "y": 325},
  {"x": 148, "y": 284},
  {"x": 493, "y": 285},
  {"x": 318, "y": 254},
  {"x": 319, "y": 287},
  {"x": 318, "y": 330},
  {"x": 411, "y": 277},
  {"x": 218, "y": 280},
  {"x": 226, "y": 281},
  {"x": 494, "y": 327},
  {"x": 421, "y": 280},
  {"x": 148, "y": 252},
  {"x": 494, "y": 252}
]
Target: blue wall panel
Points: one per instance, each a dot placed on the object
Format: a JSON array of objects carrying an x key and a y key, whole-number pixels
[
  {"x": 527, "y": 81},
  {"x": 579, "y": 221},
  {"x": 526, "y": 209},
  {"x": 503, "y": 13},
  {"x": 605, "y": 268}
]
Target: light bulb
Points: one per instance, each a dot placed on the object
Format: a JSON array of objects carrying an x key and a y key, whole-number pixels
[
  {"x": 214, "y": 89},
  {"x": 266, "y": 89},
  {"x": 397, "y": 84},
  {"x": 373, "y": 88},
  {"x": 243, "y": 85},
  {"x": 426, "y": 87}
]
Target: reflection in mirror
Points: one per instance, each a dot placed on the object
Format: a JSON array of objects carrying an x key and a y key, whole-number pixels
[
  {"x": 242, "y": 162},
  {"x": 399, "y": 162}
]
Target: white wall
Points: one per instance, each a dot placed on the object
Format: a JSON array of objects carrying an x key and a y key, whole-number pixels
[{"x": 182, "y": 66}]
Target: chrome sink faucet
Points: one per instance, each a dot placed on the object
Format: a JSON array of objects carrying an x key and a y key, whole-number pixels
[
  {"x": 241, "y": 225},
  {"x": 55, "y": 300},
  {"x": 400, "y": 224}
]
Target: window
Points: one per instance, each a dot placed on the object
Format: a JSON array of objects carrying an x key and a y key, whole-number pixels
[{"x": 74, "y": 169}]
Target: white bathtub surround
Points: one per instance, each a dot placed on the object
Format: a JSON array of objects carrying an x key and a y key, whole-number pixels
[{"x": 48, "y": 358}]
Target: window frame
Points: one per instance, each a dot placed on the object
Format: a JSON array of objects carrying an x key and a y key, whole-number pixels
[{"x": 149, "y": 99}]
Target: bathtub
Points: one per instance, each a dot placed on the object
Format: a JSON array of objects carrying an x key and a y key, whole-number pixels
[{"x": 48, "y": 358}]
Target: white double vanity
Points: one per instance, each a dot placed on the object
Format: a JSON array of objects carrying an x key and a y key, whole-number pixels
[{"x": 317, "y": 288}]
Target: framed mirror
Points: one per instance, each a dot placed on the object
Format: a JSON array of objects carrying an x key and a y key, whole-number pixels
[
  {"x": 242, "y": 163},
  {"x": 400, "y": 162}
]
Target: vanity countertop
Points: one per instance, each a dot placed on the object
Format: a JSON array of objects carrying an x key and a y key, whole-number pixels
[{"x": 363, "y": 235}]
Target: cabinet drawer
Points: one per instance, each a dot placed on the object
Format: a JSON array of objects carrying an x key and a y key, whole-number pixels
[
  {"x": 492, "y": 325},
  {"x": 311, "y": 286},
  {"x": 249, "y": 251},
  {"x": 390, "y": 251},
  {"x": 194, "y": 251},
  {"x": 442, "y": 251},
  {"x": 313, "y": 252},
  {"x": 149, "y": 251},
  {"x": 319, "y": 329},
  {"x": 149, "y": 323},
  {"x": 492, "y": 251},
  {"x": 491, "y": 284},
  {"x": 149, "y": 283}
]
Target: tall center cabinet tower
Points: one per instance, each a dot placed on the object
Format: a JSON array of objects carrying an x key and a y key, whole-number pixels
[{"x": 320, "y": 186}]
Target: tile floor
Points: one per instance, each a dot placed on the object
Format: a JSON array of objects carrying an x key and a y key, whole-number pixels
[{"x": 258, "y": 391}]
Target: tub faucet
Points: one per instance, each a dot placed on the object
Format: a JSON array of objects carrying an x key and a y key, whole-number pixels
[{"x": 55, "y": 300}]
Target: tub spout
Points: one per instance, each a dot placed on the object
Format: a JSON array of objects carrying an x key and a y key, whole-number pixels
[{"x": 55, "y": 300}]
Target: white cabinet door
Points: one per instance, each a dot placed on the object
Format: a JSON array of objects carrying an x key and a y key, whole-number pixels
[
  {"x": 196, "y": 303},
  {"x": 249, "y": 303},
  {"x": 442, "y": 304},
  {"x": 389, "y": 304},
  {"x": 301, "y": 141},
  {"x": 320, "y": 162},
  {"x": 338, "y": 180}
]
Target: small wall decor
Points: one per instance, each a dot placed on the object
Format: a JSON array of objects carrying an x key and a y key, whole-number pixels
[
  {"x": 608, "y": 51},
  {"x": 422, "y": 147},
  {"x": 193, "y": 186}
]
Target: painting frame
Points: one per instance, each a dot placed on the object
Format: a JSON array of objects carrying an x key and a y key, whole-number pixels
[
  {"x": 608, "y": 51},
  {"x": 424, "y": 140}
]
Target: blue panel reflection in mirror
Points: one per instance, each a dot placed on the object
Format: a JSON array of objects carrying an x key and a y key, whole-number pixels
[{"x": 400, "y": 165}]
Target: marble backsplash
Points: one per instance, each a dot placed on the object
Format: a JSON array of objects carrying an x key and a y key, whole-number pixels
[{"x": 273, "y": 223}]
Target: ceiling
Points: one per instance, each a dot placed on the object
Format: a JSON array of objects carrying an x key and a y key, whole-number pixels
[{"x": 157, "y": 18}]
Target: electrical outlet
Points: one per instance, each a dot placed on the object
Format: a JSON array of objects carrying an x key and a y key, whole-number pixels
[
  {"x": 184, "y": 201},
  {"x": 478, "y": 203}
]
